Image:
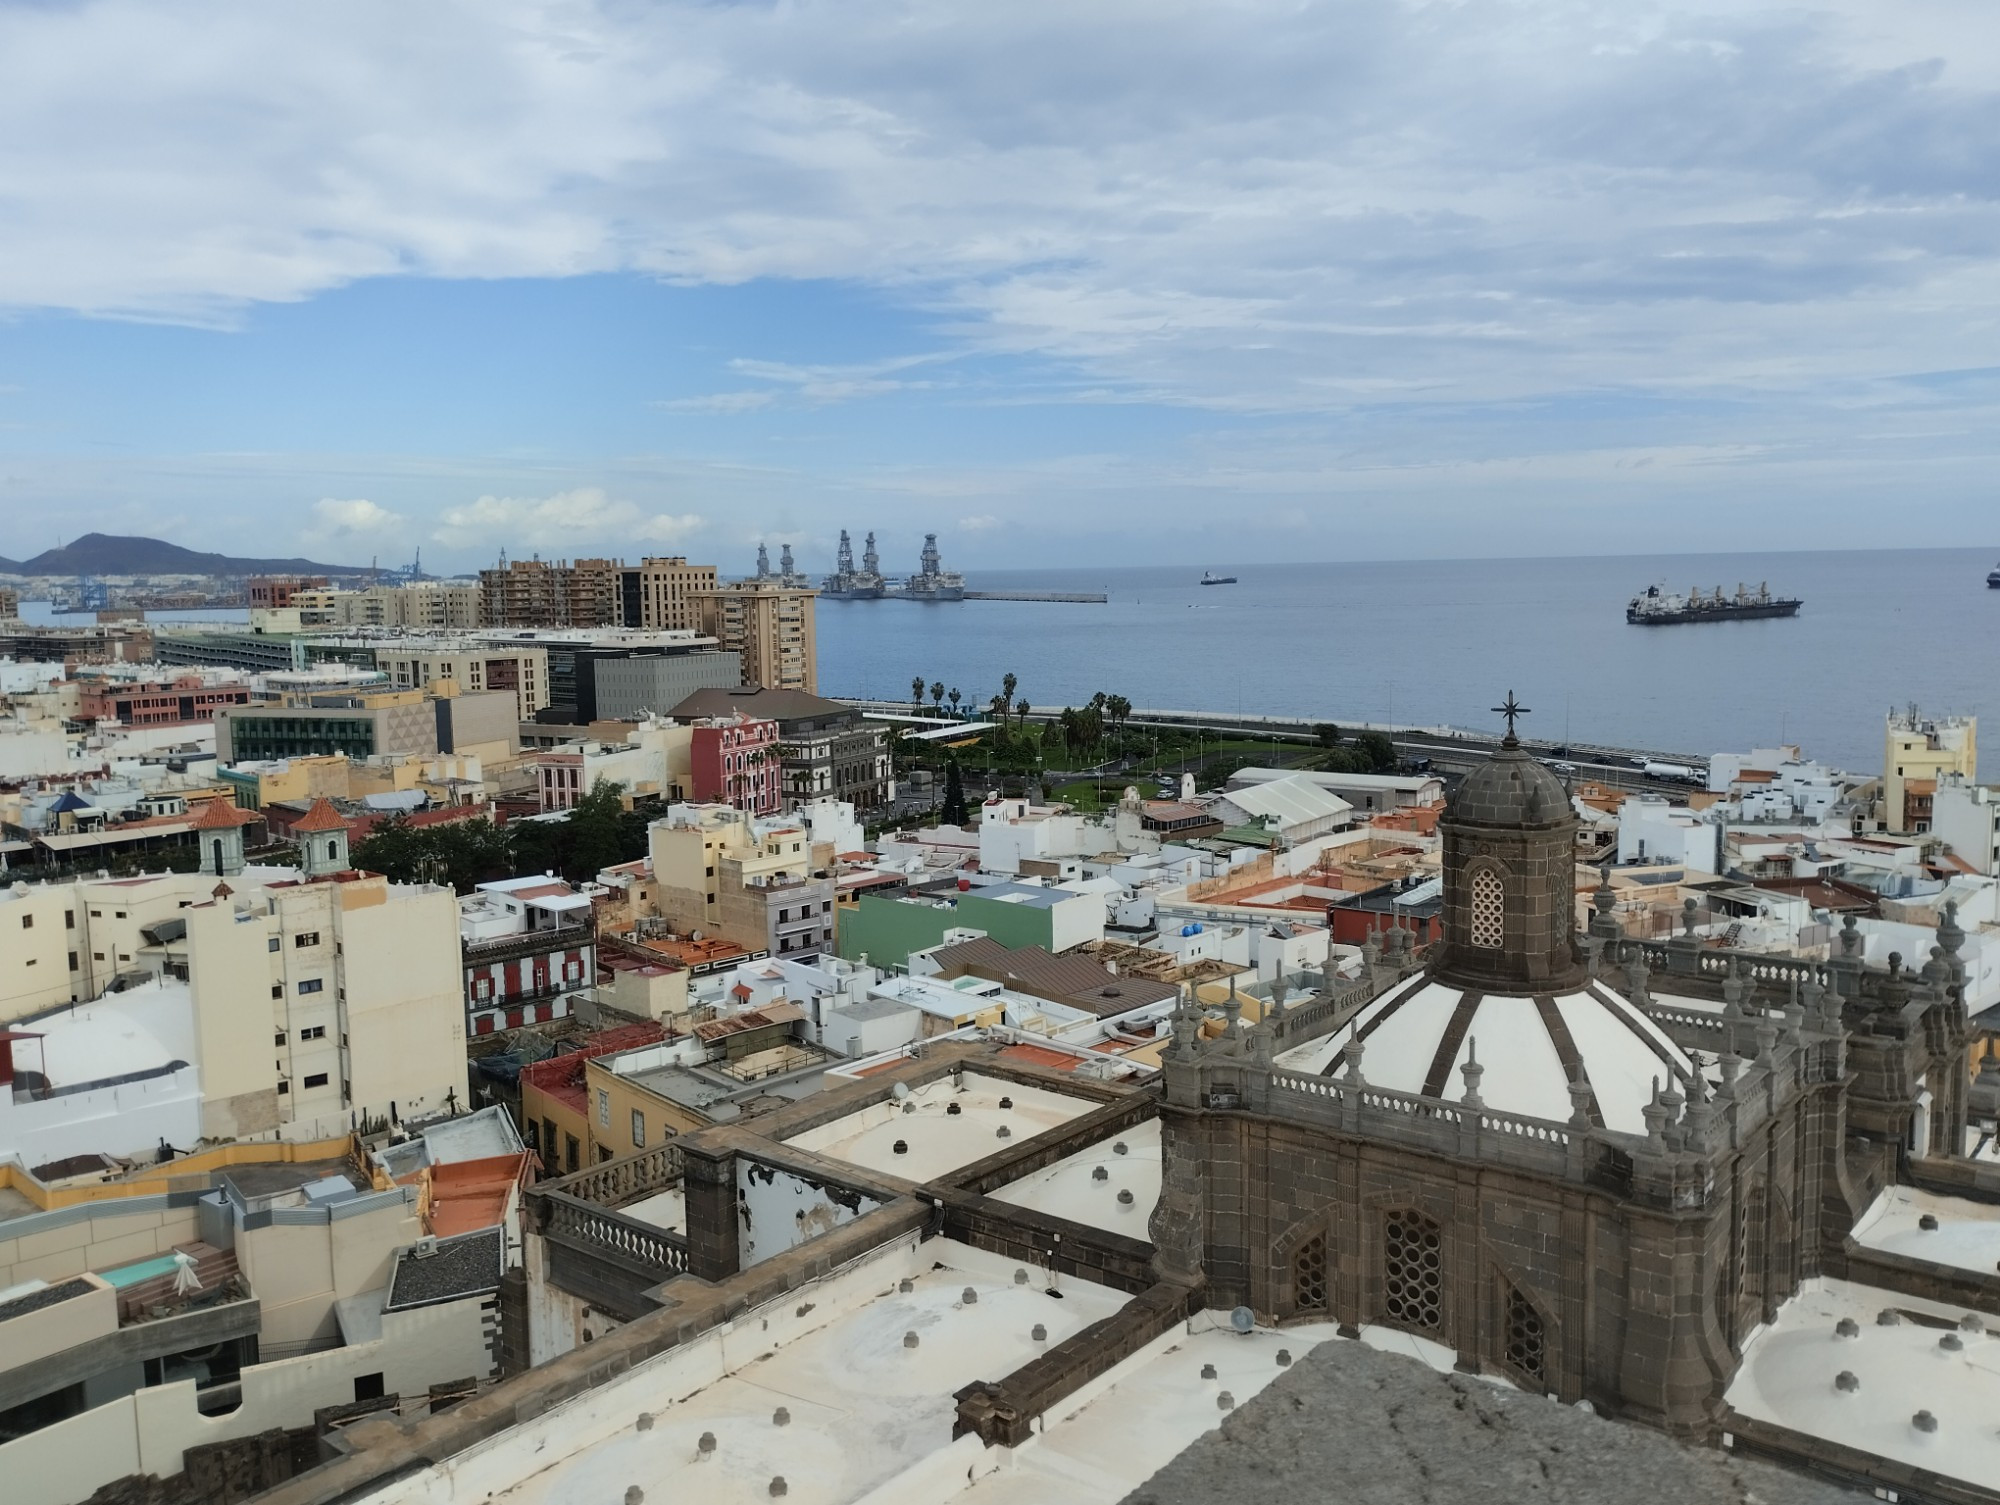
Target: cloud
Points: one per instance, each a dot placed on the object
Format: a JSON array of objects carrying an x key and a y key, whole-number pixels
[
  {"x": 984, "y": 522},
  {"x": 1223, "y": 207},
  {"x": 665, "y": 527},
  {"x": 565, "y": 520},
  {"x": 718, "y": 403},
  {"x": 820, "y": 386},
  {"x": 1417, "y": 237},
  {"x": 333, "y": 518}
]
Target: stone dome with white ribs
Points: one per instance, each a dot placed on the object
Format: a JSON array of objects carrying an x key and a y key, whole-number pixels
[{"x": 1418, "y": 1037}]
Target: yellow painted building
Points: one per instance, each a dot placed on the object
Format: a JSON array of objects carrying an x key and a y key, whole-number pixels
[{"x": 1919, "y": 751}]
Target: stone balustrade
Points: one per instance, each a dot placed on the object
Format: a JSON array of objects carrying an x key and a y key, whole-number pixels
[
  {"x": 599, "y": 1230},
  {"x": 613, "y": 1183}
]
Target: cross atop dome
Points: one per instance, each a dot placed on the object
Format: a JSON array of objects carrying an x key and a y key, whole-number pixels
[{"x": 1511, "y": 708}]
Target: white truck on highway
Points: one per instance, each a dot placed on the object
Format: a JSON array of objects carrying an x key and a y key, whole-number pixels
[{"x": 1674, "y": 773}]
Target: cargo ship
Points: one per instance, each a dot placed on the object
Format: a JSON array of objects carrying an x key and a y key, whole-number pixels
[
  {"x": 1656, "y": 607},
  {"x": 1209, "y": 577},
  {"x": 1993, "y": 578}
]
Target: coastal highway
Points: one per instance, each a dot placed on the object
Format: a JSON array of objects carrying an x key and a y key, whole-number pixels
[{"x": 1450, "y": 749}]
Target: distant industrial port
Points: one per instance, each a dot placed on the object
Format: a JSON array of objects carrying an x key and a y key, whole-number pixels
[{"x": 931, "y": 582}]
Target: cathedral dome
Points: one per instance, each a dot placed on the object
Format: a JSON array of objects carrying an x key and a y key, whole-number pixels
[
  {"x": 1511, "y": 790},
  {"x": 1420, "y": 1038}
]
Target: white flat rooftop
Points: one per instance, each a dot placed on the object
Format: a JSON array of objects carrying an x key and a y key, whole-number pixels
[
  {"x": 935, "y": 1139},
  {"x": 864, "y": 1407},
  {"x": 141, "y": 1029},
  {"x": 1105, "y": 1443},
  {"x": 1967, "y": 1233},
  {"x": 1116, "y": 1433},
  {"x": 1071, "y": 1188},
  {"x": 1790, "y": 1367}
]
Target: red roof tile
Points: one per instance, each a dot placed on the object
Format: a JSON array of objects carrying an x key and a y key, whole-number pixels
[
  {"x": 222, "y": 815},
  {"x": 321, "y": 817}
]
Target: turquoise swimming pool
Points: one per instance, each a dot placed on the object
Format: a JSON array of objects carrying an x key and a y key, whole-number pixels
[{"x": 131, "y": 1275}]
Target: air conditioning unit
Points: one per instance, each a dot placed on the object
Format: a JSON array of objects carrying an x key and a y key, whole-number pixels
[{"x": 424, "y": 1247}]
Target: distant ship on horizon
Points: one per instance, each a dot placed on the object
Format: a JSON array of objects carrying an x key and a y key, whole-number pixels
[
  {"x": 1993, "y": 578},
  {"x": 1209, "y": 577},
  {"x": 1655, "y": 607}
]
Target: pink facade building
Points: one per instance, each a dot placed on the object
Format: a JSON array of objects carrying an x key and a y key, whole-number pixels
[
  {"x": 185, "y": 700},
  {"x": 735, "y": 762}
]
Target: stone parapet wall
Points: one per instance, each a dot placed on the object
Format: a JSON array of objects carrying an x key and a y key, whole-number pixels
[
  {"x": 1042, "y": 1242},
  {"x": 1976, "y": 1181},
  {"x": 1922, "y": 1278},
  {"x": 1004, "y": 1412},
  {"x": 1881, "y": 1477}
]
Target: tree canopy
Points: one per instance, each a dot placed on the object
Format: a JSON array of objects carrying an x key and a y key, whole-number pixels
[{"x": 597, "y": 833}]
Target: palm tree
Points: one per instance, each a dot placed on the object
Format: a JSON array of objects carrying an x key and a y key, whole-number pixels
[
  {"x": 917, "y": 693},
  {"x": 1007, "y": 684},
  {"x": 953, "y": 697},
  {"x": 937, "y": 695},
  {"x": 1022, "y": 709}
]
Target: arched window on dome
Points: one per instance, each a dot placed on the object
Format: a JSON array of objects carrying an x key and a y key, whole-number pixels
[{"x": 1489, "y": 910}]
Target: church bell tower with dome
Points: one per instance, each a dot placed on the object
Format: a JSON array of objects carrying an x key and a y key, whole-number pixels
[{"x": 1509, "y": 838}]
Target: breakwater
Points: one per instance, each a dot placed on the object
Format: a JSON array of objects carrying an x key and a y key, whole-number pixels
[{"x": 1075, "y": 598}]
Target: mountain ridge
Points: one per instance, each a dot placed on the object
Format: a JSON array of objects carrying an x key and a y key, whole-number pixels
[{"x": 121, "y": 554}]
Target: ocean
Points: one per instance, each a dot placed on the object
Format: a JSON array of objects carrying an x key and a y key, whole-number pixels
[
  {"x": 1432, "y": 642},
  {"x": 1438, "y": 642}
]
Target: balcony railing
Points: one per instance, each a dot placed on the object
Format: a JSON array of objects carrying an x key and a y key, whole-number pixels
[
  {"x": 613, "y": 1183},
  {"x": 637, "y": 1246},
  {"x": 529, "y": 943},
  {"x": 579, "y": 1211}
]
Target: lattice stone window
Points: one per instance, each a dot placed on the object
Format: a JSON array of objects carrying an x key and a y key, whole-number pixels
[
  {"x": 1750, "y": 1273},
  {"x": 1489, "y": 909},
  {"x": 1413, "y": 1267},
  {"x": 1526, "y": 1349},
  {"x": 1309, "y": 1274}
]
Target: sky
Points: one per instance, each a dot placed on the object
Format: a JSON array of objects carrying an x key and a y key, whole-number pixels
[{"x": 1133, "y": 281}]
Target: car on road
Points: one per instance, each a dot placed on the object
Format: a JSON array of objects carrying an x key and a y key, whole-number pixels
[{"x": 1557, "y": 766}]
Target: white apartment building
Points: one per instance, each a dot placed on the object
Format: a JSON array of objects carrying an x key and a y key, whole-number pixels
[
  {"x": 1013, "y": 831},
  {"x": 301, "y": 1006},
  {"x": 1967, "y": 816},
  {"x": 1651, "y": 830},
  {"x": 1775, "y": 783}
]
